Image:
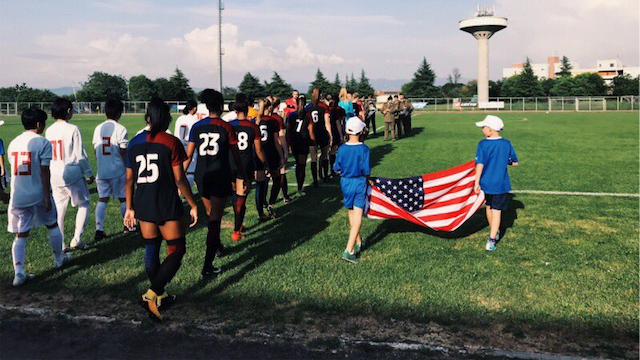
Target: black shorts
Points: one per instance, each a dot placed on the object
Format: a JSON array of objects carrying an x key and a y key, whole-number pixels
[
  {"x": 323, "y": 140},
  {"x": 300, "y": 147},
  {"x": 497, "y": 201},
  {"x": 160, "y": 214},
  {"x": 216, "y": 184},
  {"x": 273, "y": 159},
  {"x": 249, "y": 170}
]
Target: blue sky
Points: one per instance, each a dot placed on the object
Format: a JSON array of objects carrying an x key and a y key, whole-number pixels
[{"x": 54, "y": 43}]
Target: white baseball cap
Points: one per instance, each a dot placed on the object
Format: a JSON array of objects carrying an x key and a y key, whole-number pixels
[
  {"x": 354, "y": 126},
  {"x": 491, "y": 121}
]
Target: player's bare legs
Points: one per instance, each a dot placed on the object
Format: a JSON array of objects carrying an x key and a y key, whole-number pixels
[
  {"x": 355, "y": 221},
  {"x": 207, "y": 205},
  {"x": 313, "y": 150},
  {"x": 494, "y": 221}
]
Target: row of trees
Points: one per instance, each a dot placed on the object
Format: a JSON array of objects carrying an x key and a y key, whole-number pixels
[
  {"x": 101, "y": 86},
  {"x": 525, "y": 84}
]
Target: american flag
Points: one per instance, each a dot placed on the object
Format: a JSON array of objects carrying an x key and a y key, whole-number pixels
[{"x": 443, "y": 200}]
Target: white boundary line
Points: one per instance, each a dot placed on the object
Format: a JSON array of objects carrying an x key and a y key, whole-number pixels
[{"x": 535, "y": 192}]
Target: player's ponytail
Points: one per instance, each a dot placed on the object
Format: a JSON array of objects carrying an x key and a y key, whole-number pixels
[
  {"x": 158, "y": 116},
  {"x": 302, "y": 111}
]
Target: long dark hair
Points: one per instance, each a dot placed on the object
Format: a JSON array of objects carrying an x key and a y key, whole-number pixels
[
  {"x": 191, "y": 104},
  {"x": 157, "y": 116},
  {"x": 302, "y": 111}
]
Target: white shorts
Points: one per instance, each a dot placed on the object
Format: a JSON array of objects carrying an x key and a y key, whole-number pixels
[
  {"x": 78, "y": 193},
  {"x": 24, "y": 219},
  {"x": 111, "y": 187}
]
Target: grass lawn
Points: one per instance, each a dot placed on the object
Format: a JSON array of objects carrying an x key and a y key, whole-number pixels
[{"x": 565, "y": 261}]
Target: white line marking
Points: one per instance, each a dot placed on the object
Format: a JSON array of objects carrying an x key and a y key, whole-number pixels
[
  {"x": 536, "y": 192},
  {"x": 575, "y": 193}
]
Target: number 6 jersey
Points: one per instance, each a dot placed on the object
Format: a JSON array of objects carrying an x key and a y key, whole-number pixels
[{"x": 152, "y": 160}]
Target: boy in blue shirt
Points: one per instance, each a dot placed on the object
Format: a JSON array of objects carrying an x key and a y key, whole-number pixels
[
  {"x": 493, "y": 156},
  {"x": 352, "y": 163}
]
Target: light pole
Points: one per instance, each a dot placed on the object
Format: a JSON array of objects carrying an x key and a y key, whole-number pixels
[{"x": 220, "y": 8}]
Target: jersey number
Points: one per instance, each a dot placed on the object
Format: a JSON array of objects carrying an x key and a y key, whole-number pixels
[
  {"x": 183, "y": 132},
  {"x": 58, "y": 154},
  {"x": 314, "y": 116},
  {"x": 264, "y": 132},
  {"x": 299, "y": 126},
  {"x": 24, "y": 157},
  {"x": 243, "y": 141},
  {"x": 209, "y": 144},
  {"x": 106, "y": 145},
  {"x": 145, "y": 163}
]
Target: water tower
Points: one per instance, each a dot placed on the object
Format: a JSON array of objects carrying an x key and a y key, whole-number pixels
[{"x": 482, "y": 26}]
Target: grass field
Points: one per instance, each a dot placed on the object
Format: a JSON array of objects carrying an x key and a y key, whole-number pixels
[{"x": 565, "y": 262}]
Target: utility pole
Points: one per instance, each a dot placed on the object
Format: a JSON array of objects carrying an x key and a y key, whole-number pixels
[{"x": 220, "y": 8}]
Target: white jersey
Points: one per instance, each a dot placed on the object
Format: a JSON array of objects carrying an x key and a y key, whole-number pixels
[
  {"x": 108, "y": 138},
  {"x": 182, "y": 130},
  {"x": 26, "y": 154},
  {"x": 230, "y": 116},
  {"x": 69, "y": 162}
]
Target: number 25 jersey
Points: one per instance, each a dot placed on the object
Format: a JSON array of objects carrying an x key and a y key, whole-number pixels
[
  {"x": 152, "y": 160},
  {"x": 212, "y": 137}
]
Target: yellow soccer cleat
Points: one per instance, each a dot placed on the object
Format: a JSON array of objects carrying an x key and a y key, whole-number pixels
[{"x": 150, "y": 303}]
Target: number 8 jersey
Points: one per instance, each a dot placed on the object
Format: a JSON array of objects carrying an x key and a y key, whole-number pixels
[
  {"x": 152, "y": 160},
  {"x": 212, "y": 137}
]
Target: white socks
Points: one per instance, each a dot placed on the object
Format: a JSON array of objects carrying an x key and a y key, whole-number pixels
[
  {"x": 123, "y": 208},
  {"x": 101, "y": 212},
  {"x": 81, "y": 220},
  {"x": 62, "y": 212},
  {"x": 55, "y": 239},
  {"x": 18, "y": 251}
]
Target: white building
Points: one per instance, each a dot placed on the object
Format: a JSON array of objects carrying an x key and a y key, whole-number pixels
[{"x": 608, "y": 69}]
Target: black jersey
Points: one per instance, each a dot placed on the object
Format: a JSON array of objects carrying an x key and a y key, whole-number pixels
[
  {"x": 246, "y": 133},
  {"x": 152, "y": 160},
  {"x": 268, "y": 126},
  {"x": 337, "y": 116},
  {"x": 298, "y": 133}
]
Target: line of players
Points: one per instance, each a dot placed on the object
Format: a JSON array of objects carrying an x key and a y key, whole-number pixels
[{"x": 227, "y": 157}]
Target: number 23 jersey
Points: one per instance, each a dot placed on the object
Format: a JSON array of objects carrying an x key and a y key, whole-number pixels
[
  {"x": 212, "y": 137},
  {"x": 152, "y": 160}
]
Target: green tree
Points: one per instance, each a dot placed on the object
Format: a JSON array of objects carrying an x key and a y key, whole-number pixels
[
  {"x": 252, "y": 87},
  {"x": 563, "y": 86},
  {"x": 547, "y": 85},
  {"x": 24, "y": 93},
  {"x": 422, "y": 83},
  {"x": 102, "y": 86},
  {"x": 278, "y": 87},
  {"x": 335, "y": 86},
  {"x": 590, "y": 84},
  {"x": 495, "y": 88},
  {"x": 182, "y": 91},
  {"x": 365, "y": 88},
  {"x": 565, "y": 67},
  {"x": 320, "y": 82},
  {"x": 229, "y": 93},
  {"x": 141, "y": 88},
  {"x": 352, "y": 84},
  {"x": 625, "y": 85},
  {"x": 525, "y": 84},
  {"x": 164, "y": 89}
]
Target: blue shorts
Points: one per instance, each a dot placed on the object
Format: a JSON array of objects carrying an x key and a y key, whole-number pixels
[
  {"x": 354, "y": 191},
  {"x": 497, "y": 201}
]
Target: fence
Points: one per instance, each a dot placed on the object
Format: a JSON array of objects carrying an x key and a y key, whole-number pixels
[{"x": 586, "y": 103}]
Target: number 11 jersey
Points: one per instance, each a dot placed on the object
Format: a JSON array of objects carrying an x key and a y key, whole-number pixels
[{"x": 152, "y": 160}]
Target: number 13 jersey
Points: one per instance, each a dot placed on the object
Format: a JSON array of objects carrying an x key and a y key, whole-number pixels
[{"x": 152, "y": 160}]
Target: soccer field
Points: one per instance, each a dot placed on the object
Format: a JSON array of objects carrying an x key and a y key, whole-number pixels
[{"x": 567, "y": 264}]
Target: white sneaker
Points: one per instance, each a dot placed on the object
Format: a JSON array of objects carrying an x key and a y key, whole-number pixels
[
  {"x": 20, "y": 279},
  {"x": 78, "y": 245},
  {"x": 57, "y": 264}
]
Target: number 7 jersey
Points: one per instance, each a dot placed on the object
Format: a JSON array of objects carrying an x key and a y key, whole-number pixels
[{"x": 152, "y": 160}]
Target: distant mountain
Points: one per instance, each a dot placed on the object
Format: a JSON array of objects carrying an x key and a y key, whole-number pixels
[{"x": 61, "y": 91}]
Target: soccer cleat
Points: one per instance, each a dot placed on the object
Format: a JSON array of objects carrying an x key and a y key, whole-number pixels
[
  {"x": 78, "y": 245},
  {"x": 165, "y": 301},
  {"x": 57, "y": 264},
  {"x": 210, "y": 270},
  {"x": 301, "y": 192},
  {"x": 100, "y": 235},
  {"x": 360, "y": 246},
  {"x": 270, "y": 211},
  {"x": 286, "y": 200},
  {"x": 20, "y": 279},
  {"x": 491, "y": 245},
  {"x": 349, "y": 257},
  {"x": 236, "y": 236},
  {"x": 150, "y": 303}
]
